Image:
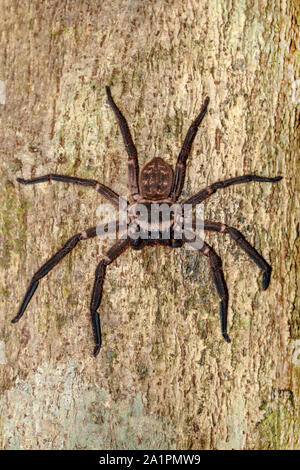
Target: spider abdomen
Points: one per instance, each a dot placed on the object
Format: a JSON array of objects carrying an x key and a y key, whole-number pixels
[{"x": 151, "y": 220}]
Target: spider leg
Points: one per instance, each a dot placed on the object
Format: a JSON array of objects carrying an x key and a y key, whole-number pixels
[
  {"x": 239, "y": 238},
  {"x": 133, "y": 165},
  {"x": 180, "y": 169},
  {"x": 104, "y": 190},
  {"x": 209, "y": 190},
  {"x": 220, "y": 283},
  {"x": 116, "y": 250},
  {"x": 52, "y": 262}
]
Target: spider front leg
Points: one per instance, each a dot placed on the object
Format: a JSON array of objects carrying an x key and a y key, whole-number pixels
[
  {"x": 116, "y": 250},
  {"x": 179, "y": 175},
  {"x": 239, "y": 238},
  {"x": 133, "y": 164}
]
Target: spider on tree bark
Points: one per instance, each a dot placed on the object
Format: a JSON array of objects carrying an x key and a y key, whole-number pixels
[{"x": 155, "y": 184}]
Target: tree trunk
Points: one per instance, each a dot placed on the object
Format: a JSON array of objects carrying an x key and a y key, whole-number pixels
[{"x": 164, "y": 377}]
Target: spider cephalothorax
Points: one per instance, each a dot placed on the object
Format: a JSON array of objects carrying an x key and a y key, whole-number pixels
[
  {"x": 156, "y": 179},
  {"x": 156, "y": 185}
]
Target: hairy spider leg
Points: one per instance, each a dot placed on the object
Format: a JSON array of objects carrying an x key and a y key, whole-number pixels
[
  {"x": 108, "y": 193},
  {"x": 184, "y": 153},
  {"x": 133, "y": 164},
  {"x": 220, "y": 283},
  {"x": 113, "y": 253},
  {"x": 209, "y": 190},
  {"x": 239, "y": 238},
  {"x": 52, "y": 262}
]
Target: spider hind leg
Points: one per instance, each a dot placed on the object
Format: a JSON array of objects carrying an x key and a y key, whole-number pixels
[
  {"x": 113, "y": 253},
  {"x": 68, "y": 246},
  {"x": 220, "y": 283},
  {"x": 239, "y": 238}
]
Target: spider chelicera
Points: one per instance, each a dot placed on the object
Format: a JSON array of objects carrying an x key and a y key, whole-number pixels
[{"x": 155, "y": 184}]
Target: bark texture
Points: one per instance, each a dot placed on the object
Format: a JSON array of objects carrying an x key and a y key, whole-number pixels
[{"x": 165, "y": 378}]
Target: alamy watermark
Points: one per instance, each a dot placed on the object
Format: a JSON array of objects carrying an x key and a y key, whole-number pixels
[{"x": 150, "y": 220}]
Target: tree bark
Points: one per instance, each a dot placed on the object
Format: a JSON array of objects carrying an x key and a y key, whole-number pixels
[{"x": 164, "y": 378}]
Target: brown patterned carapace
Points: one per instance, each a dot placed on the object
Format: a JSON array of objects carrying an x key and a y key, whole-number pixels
[{"x": 156, "y": 179}]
